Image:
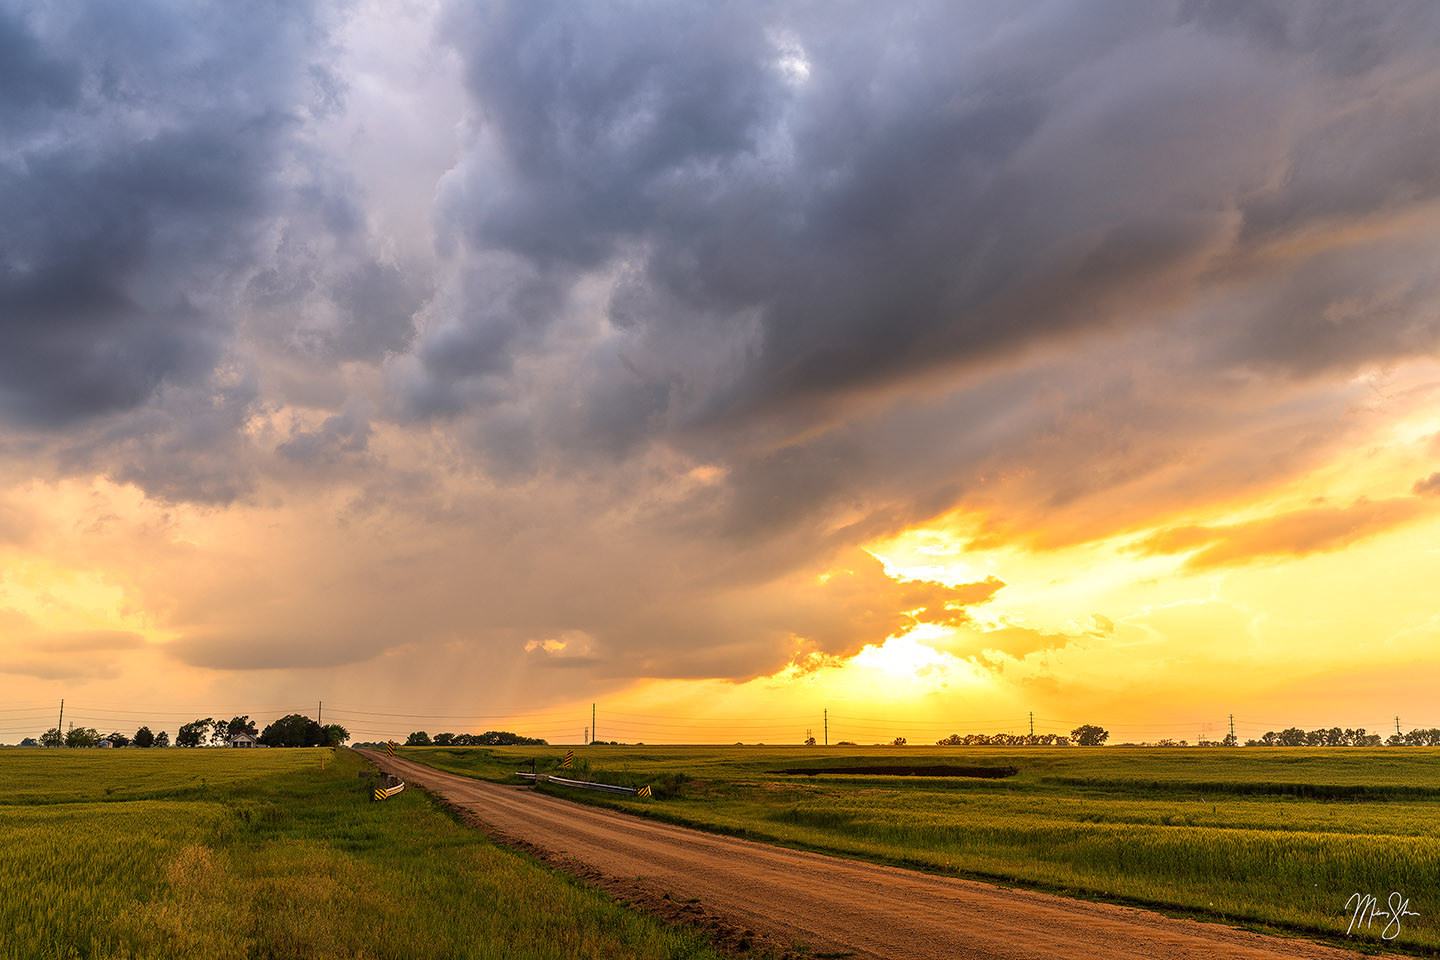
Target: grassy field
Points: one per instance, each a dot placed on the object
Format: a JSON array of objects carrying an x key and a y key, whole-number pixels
[
  {"x": 259, "y": 854},
  {"x": 1277, "y": 839}
]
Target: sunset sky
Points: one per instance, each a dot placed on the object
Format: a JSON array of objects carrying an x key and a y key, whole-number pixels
[{"x": 461, "y": 365}]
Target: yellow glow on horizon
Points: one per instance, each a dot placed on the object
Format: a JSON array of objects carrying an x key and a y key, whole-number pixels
[{"x": 1096, "y": 630}]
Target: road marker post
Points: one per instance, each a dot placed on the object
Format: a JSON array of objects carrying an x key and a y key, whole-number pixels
[
  {"x": 383, "y": 792},
  {"x": 643, "y": 791},
  {"x": 569, "y": 759}
]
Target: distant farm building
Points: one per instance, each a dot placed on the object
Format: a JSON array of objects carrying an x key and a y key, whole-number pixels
[
  {"x": 105, "y": 744},
  {"x": 241, "y": 740}
]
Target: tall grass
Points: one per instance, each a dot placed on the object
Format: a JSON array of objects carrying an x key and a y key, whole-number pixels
[{"x": 270, "y": 857}]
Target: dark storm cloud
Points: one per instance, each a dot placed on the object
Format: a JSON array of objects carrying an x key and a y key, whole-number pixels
[
  {"x": 30, "y": 79},
  {"x": 1346, "y": 39},
  {"x": 138, "y": 196},
  {"x": 846, "y": 201}
]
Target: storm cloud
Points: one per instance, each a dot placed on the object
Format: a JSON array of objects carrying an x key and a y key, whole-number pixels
[
  {"x": 847, "y": 202},
  {"x": 144, "y": 153},
  {"x": 634, "y": 323}
]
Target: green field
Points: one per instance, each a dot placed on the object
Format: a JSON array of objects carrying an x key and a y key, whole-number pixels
[
  {"x": 259, "y": 854},
  {"x": 1276, "y": 839}
]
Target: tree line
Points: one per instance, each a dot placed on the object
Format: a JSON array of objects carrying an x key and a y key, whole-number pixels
[
  {"x": 89, "y": 737},
  {"x": 1085, "y": 735},
  {"x": 1090, "y": 735},
  {"x": 1346, "y": 737},
  {"x": 490, "y": 738},
  {"x": 294, "y": 730}
]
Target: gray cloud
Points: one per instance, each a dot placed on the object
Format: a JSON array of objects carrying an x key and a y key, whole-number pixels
[
  {"x": 857, "y": 200},
  {"x": 377, "y": 302},
  {"x": 30, "y": 79},
  {"x": 140, "y": 200},
  {"x": 187, "y": 446},
  {"x": 346, "y": 432}
]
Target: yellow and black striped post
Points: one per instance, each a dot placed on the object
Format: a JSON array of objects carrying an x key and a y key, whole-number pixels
[
  {"x": 569, "y": 759},
  {"x": 643, "y": 791},
  {"x": 390, "y": 748},
  {"x": 383, "y": 792}
]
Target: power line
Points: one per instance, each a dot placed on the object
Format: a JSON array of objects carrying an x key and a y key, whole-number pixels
[
  {"x": 445, "y": 716},
  {"x": 940, "y": 723},
  {"x": 651, "y": 716}
]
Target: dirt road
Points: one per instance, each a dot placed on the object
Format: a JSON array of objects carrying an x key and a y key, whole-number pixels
[{"x": 835, "y": 905}]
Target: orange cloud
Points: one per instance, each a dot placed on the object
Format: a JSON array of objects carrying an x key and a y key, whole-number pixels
[
  {"x": 929, "y": 601},
  {"x": 1428, "y": 487},
  {"x": 1294, "y": 534}
]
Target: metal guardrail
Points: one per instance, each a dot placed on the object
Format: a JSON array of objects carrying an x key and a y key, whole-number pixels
[
  {"x": 578, "y": 784},
  {"x": 388, "y": 786}
]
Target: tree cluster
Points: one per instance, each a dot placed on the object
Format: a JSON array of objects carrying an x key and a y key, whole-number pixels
[
  {"x": 1022, "y": 739},
  {"x": 1346, "y": 737},
  {"x": 298, "y": 730},
  {"x": 490, "y": 738},
  {"x": 213, "y": 732},
  {"x": 82, "y": 737},
  {"x": 295, "y": 730}
]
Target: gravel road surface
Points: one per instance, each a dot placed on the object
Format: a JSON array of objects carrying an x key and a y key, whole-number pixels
[{"x": 837, "y": 906}]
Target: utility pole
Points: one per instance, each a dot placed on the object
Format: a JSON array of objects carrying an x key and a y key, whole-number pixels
[
  {"x": 1232, "y": 727},
  {"x": 827, "y": 726},
  {"x": 319, "y": 712},
  {"x": 1032, "y": 724},
  {"x": 1397, "y": 726},
  {"x": 60, "y": 724},
  {"x": 587, "y": 735},
  {"x": 594, "y": 731}
]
